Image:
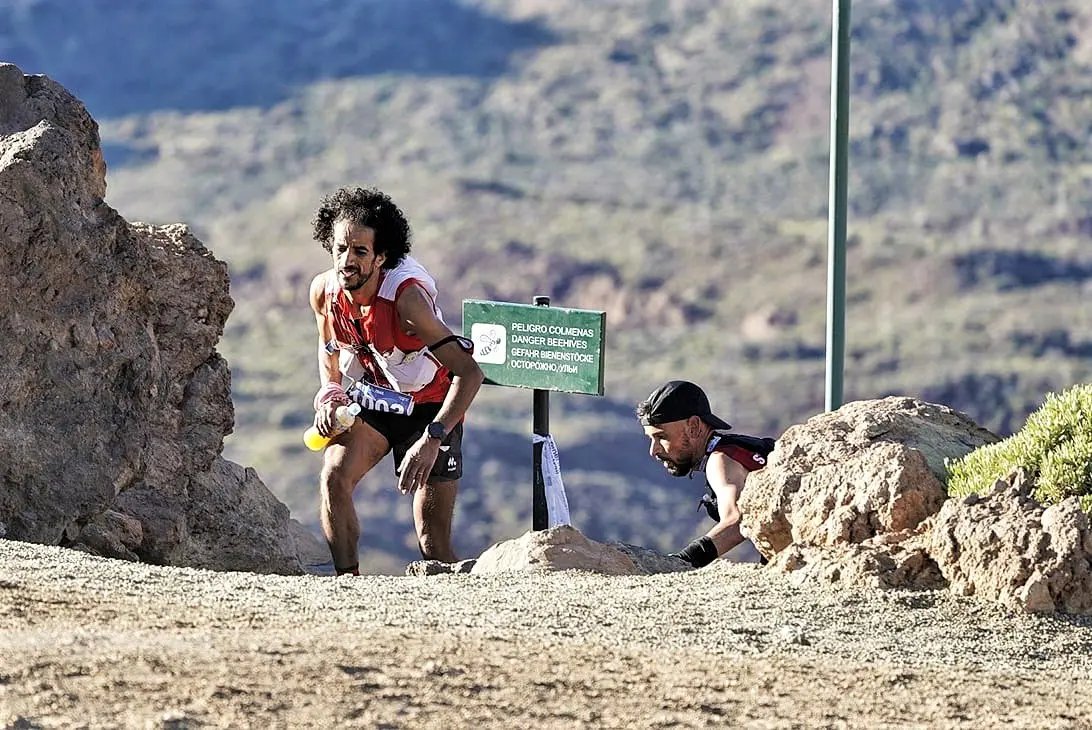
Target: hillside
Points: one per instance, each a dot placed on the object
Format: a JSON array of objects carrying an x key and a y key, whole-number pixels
[{"x": 665, "y": 162}]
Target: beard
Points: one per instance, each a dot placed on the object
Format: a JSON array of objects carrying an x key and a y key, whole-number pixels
[
  {"x": 354, "y": 279},
  {"x": 678, "y": 467},
  {"x": 688, "y": 458}
]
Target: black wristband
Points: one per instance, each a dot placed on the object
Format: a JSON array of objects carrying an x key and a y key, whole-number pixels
[{"x": 700, "y": 552}]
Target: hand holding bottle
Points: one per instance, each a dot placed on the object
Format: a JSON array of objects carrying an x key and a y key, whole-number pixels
[{"x": 344, "y": 417}]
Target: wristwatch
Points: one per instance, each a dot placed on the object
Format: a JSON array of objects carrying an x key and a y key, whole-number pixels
[{"x": 436, "y": 431}]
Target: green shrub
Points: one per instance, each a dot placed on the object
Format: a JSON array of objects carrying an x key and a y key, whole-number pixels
[{"x": 1054, "y": 447}]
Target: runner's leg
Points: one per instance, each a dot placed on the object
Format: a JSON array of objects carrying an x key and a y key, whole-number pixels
[
  {"x": 433, "y": 512},
  {"x": 346, "y": 461}
]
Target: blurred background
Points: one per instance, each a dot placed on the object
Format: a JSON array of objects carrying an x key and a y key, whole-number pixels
[{"x": 662, "y": 160}]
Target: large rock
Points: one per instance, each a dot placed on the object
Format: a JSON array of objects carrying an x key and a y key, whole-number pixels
[
  {"x": 856, "y": 498},
  {"x": 558, "y": 548},
  {"x": 1007, "y": 547},
  {"x": 114, "y": 396},
  {"x": 561, "y": 548},
  {"x": 867, "y": 469}
]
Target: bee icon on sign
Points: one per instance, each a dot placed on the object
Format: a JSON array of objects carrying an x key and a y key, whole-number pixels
[{"x": 490, "y": 343}]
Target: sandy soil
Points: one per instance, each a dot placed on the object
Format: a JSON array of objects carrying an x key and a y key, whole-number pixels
[{"x": 88, "y": 642}]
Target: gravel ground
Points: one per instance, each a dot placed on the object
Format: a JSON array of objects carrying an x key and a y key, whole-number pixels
[{"x": 89, "y": 642}]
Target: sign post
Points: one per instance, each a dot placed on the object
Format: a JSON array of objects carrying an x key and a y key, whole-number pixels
[
  {"x": 540, "y": 426},
  {"x": 539, "y": 347}
]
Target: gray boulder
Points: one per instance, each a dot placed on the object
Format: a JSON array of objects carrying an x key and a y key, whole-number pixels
[{"x": 115, "y": 399}]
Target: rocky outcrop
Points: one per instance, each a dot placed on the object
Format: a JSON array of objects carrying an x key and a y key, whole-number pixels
[
  {"x": 1007, "y": 547},
  {"x": 115, "y": 400},
  {"x": 856, "y": 497},
  {"x": 869, "y": 468}
]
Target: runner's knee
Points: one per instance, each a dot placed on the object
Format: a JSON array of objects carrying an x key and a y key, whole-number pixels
[{"x": 336, "y": 480}]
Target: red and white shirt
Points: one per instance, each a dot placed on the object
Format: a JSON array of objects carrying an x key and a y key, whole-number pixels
[{"x": 375, "y": 348}]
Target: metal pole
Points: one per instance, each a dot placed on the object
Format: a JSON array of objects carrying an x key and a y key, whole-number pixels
[
  {"x": 837, "y": 205},
  {"x": 540, "y": 415}
]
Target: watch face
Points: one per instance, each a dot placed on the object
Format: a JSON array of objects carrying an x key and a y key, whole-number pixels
[{"x": 436, "y": 430}]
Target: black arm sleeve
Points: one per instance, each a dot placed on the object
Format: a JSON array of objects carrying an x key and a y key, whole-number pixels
[
  {"x": 463, "y": 342},
  {"x": 699, "y": 553}
]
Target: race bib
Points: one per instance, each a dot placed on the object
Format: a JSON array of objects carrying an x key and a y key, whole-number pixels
[{"x": 377, "y": 398}]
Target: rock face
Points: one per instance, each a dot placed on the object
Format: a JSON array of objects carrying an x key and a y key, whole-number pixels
[
  {"x": 559, "y": 548},
  {"x": 115, "y": 402},
  {"x": 1007, "y": 547},
  {"x": 869, "y": 468}
]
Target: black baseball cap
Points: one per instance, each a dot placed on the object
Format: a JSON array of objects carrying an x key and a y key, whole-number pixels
[{"x": 677, "y": 400}]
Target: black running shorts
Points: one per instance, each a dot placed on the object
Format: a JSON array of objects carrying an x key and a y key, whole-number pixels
[{"x": 402, "y": 431}]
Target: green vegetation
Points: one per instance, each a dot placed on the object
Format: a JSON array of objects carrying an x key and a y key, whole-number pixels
[{"x": 1054, "y": 448}]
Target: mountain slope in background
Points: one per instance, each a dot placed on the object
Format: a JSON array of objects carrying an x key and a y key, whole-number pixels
[{"x": 664, "y": 162}]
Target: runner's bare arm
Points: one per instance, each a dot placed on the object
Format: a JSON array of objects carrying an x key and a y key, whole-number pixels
[
  {"x": 726, "y": 477},
  {"x": 327, "y": 362},
  {"x": 418, "y": 317},
  {"x": 329, "y": 371}
]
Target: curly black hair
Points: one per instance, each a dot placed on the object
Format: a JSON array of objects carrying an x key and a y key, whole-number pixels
[{"x": 366, "y": 207}]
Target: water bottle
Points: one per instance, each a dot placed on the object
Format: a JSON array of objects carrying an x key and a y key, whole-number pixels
[{"x": 343, "y": 416}]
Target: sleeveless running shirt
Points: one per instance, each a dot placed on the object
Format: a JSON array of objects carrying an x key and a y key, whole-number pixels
[
  {"x": 749, "y": 451},
  {"x": 374, "y": 347}
]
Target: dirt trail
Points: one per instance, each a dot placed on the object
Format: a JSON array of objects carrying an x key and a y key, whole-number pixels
[{"x": 93, "y": 643}]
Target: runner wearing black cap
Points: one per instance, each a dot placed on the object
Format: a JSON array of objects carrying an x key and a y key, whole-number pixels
[{"x": 686, "y": 437}]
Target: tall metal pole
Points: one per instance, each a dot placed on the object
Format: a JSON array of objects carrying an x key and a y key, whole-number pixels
[
  {"x": 540, "y": 425},
  {"x": 837, "y": 207}
]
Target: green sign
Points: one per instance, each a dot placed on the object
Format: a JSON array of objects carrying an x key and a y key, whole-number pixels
[{"x": 546, "y": 348}]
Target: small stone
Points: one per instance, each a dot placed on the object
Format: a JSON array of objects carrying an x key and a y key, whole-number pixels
[{"x": 789, "y": 634}]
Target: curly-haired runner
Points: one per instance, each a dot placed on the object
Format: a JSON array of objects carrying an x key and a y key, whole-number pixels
[
  {"x": 378, "y": 323},
  {"x": 686, "y": 437}
]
